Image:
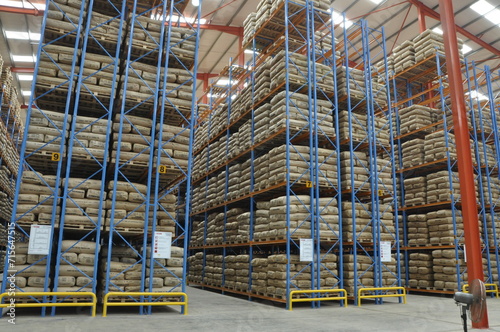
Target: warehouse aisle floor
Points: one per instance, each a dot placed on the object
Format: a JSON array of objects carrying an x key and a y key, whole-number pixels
[{"x": 211, "y": 311}]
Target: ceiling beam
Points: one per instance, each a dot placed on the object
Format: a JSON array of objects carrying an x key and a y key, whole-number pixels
[
  {"x": 435, "y": 15},
  {"x": 22, "y": 70},
  {"x": 23, "y": 11}
]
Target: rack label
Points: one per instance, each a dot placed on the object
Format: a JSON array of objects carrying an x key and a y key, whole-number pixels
[
  {"x": 39, "y": 243},
  {"x": 162, "y": 169},
  {"x": 309, "y": 184},
  {"x": 162, "y": 244},
  {"x": 56, "y": 156},
  {"x": 385, "y": 251},
  {"x": 306, "y": 250}
]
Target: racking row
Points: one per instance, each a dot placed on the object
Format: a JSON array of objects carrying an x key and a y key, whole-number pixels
[
  {"x": 106, "y": 160},
  {"x": 429, "y": 192},
  {"x": 296, "y": 155}
]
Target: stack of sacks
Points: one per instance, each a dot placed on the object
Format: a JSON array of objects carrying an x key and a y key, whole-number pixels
[
  {"x": 364, "y": 275},
  {"x": 436, "y": 147},
  {"x": 415, "y": 193},
  {"x": 167, "y": 273},
  {"x": 328, "y": 271},
  {"x": 441, "y": 228},
  {"x": 361, "y": 215},
  {"x": 493, "y": 228},
  {"x": 262, "y": 81},
  {"x": 445, "y": 269},
  {"x": 417, "y": 230},
  {"x": 195, "y": 272},
  {"x": 359, "y": 179},
  {"x": 439, "y": 188},
  {"x": 135, "y": 139},
  {"x": 298, "y": 113},
  {"x": 261, "y": 172},
  {"x": 45, "y": 133},
  {"x": 175, "y": 146},
  {"x": 30, "y": 277},
  {"x": 215, "y": 228},
  {"x": 234, "y": 181},
  {"x": 300, "y": 275},
  {"x": 130, "y": 206},
  {"x": 299, "y": 164},
  {"x": 385, "y": 216},
  {"x": 219, "y": 189},
  {"x": 236, "y": 272},
  {"x": 359, "y": 131},
  {"x": 245, "y": 181},
  {"x": 328, "y": 172},
  {"x": 234, "y": 147},
  {"x": 261, "y": 222},
  {"x": 166, "y": 214},
  {"x": 413, "y": 152},
  {"x": 249, "y": 28},
  {"x": 430, "y": 42},
  {"x": 232, "y": 225},
  {"x": 421, "y": 271},
  {"x": 90, "y": 137},
  {"x": 243, "y": 221},
  {"x": 416, "y": 117},
  {"x": 245, "y": 135},
  {"x": 76, "y": 269},
  {"x": 125, "y": 273},
  {"x": 259, "y": 275},
  {"x": 404, "y": 56},
  {"x": 197, "y": 233},
  {"x": 299, "y": 212},
  {"x": 261, "y": 122},
  {"x": 36, "y": 199},
  {"x": 328, "y": 218},
  {"x": 87, "y": 201},
  {"x": 213, "y": 270},
  {"x": 354, "y": 79}
]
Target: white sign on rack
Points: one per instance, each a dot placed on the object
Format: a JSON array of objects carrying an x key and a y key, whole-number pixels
[
  {"x": 385, "y": 251},
  {"x": 162, "y": 245},
  {"x": 306, "y": 250},
  {"x": 39, "y": 243}
]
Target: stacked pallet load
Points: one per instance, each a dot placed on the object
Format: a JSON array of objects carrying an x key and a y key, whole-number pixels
[
  {"x": 354, "y": 213},
  {"x": 261, "y": 221},
  {"x": 328, "y": 218},
  {"x": 167, "y": 273},
  {"x": 197, "y": 233},
  {"x": 174, "y": 148},
  {"x": 233, "y": 183},
  {"x": 134, "y": 142},
  {"x": 232, "y": 226},
  {"x": 299, "y": 211},
  {"x": 439, "y": 145},
  {"x": 84, "y": 203},
  {"x": 416, "y": 117},
  {"x": 384, "y": 213},
  {"x": 262, "y": 81},
  {"x": 89, "y": 138},
  {"x": 213, "y": 273},
  {"x": 493, "y": 228},
  {"x": 215, "y": 228},
  {"x": 364, "y": 277},
  {"x": 9, "y": 153},
  {"x": 76, "y": 269},
  {"x": 447, "y": 265},
  {"x": 428, "y": 43},
  {"x": 404, "y": 56},
  {"x": 249, "y": 28},
  {"x": 415, "y": 191},
  {"x": 354, "y": 174},
  {"x": 166, "y": 214},
  {"x": 413, "y": 152},
  {"x": 300, "y": 274},
  {"x": 129, "y": 208},
  {"x": 261, "y": 169},
  {"x": 421, "y": 271},
  {"x": 299, "y": 164},
  {"x": 329, "y": 276},
  {"x": 244, "y": 221},
  {"x": 31, "y": 270},
  {"x": 6, "y": 193},
  {"x": 417, "y": 230},
  {"x": 36, "y": 200},
  {"x": 47, "y": 131},
  {"x": 124, "y": 272},
  {"x": 261, "y": 122},
  {"x": 351, "y": 84},
  {"x": 195, "y": 271},
  {"x": 236, "y": 272},
  {"x": 259, "y": 275},
  {"x": 440, "y": 189},
  {"x": 441, "y": 227}
]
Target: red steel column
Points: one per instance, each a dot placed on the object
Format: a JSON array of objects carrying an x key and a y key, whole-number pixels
[
  {"x": 241, "y": 51},
  {"x": 421, "y": 19},
  {"x": 465, "y": 169}
]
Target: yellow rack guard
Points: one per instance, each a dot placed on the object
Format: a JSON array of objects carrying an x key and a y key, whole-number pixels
[
  {"x": 493, "y": 289},
  {"x": 107, "y": 304},
  {"x": 369, "y": 289},
  {"x": 310, "y": 299},
  {"x": 92, "y": 304}
]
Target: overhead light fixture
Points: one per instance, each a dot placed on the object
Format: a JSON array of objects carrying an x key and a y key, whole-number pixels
[
  {"x": 377, "y": 1},
  {"x": 23, "y": 58},
  {"x": 338, "y": 18},
  {"x": 26, "y": 93},
  {"x": 466, "y": 49},
  {"x": 438, "y": 30},
  {"x": 195, "y": 3},
  {"x": 251, "y": 52},
  {"x": 24, "y": 77},
  {"x": 482, "y": 7},
  {"x": 22, "y": 35},
  {"x": 476, "y": 94},
  {"x": 23, "y": 4}
]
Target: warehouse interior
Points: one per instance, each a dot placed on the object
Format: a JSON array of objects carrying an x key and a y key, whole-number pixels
[{"x": 251, "y": 161}]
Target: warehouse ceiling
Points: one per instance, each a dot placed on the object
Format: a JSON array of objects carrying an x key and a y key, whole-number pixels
[{"x": 20, "y": 33}]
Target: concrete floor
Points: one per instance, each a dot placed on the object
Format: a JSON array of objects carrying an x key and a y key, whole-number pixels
[{"x": 211, "y": 311}]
